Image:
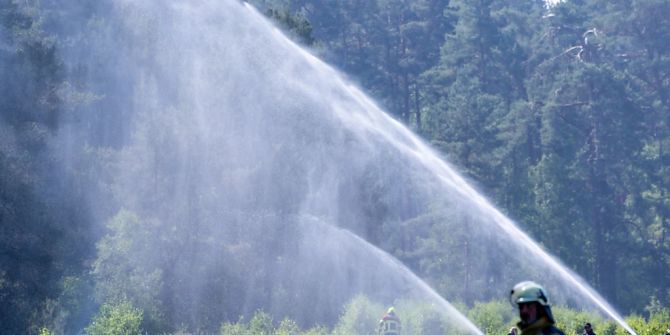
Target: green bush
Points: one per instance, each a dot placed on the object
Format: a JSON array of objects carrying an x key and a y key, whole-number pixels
[
  {"x": 288, "y": 327},
  {"x": 319, "y": 330},
  {"x": 124, "y": 267},
  {"x": 360, "y": 317},
  {"x": 261, "y": 324},
  {"x": 420, "y": 318},
  {"x": 494, "y": 317},
  {"x": 572, "y": 321},
  {"x": 116, "y": 319},
  {"x": 238, "y": 328}
]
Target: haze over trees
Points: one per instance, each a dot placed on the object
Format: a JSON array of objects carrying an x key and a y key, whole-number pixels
[{"x": 559, "y": 115}]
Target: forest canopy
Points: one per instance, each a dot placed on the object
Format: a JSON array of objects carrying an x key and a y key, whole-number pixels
[{"x": 559, "y": 114}]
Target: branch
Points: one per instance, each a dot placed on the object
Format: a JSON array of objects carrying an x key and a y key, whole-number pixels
[
  {"x": 581, "y": 48},
  {"x": 573, "y": 104}
]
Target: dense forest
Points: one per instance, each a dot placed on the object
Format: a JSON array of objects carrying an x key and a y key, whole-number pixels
[{"x": 559, "y": 114}]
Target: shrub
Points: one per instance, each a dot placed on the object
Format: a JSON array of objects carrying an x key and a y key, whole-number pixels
[
  {"x": 238, "y": 328},
  {"x": 288, "y": 327},
  {"x": 494, "y": 317},
  {"x": 116, "y": 319},
  {"x": 261, "y": 324},
  {"x": 360, "y": 317}
]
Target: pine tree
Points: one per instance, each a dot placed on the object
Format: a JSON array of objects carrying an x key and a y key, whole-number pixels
[
  {"x": 475, "y": 88},
  {"x": 590, "y": 133}
]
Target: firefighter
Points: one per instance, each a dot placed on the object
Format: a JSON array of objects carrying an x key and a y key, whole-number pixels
[
  {"x": 534, "y": 310},
  {"x": 389, "y": 323},
  {"x": 588, "y": 329}
]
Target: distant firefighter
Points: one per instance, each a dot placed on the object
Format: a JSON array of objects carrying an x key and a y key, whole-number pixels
[
  {"x": 588, "y": 329},
  {"x": 389, "y": 323}
]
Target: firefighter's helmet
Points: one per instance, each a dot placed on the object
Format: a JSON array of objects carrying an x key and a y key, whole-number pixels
[{"x": 528, "y": 291}]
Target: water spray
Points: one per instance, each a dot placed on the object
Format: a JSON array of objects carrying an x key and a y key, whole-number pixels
[{"x": 367, "y": 121}]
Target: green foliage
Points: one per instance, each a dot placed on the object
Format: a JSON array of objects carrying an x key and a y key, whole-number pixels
[
  {"x": 297, "y": 24},
  {"x": 261, "y": 324},
  {"x": 238, "y": 328},
  {"x": 422, "y": 318},
  {"x": 116, "y": 319},
  {"x": 659, "y": 318},
  {"x": 318, "y": 330},
  {"x": 638, "y": 323},
  {"x": 494, "y": 317},
  {"x": 43, "y": 216},
  {"x": 360, "y": 317},
  {"x": 288, "y": 327},
  {"x": 572, "y": 321},
  {"x": 561, "y": 114},
  {"x": 126, "y": 270}
]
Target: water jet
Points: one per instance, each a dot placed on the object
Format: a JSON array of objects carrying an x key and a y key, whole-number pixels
[{"x": 225, "y": 135}]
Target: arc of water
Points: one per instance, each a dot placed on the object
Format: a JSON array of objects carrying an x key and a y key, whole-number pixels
[
  {"x": 449, "y": 177},
  {"x": 452, "y": 312},
  {"x": 408, "y": 143},
  {"x": 414, "y": 147}
]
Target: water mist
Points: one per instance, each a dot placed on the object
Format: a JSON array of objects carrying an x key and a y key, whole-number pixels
[
  {"x": 212, "y": 137},
  {"x": 381, "y": 125}
]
